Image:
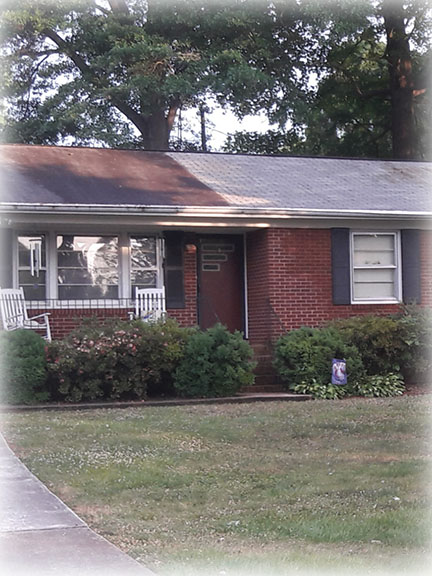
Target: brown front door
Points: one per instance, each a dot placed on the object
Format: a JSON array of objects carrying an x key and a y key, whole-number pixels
[{"x": 220, "y": 281}]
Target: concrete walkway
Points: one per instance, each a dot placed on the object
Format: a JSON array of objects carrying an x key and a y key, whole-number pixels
[{"x": 41, "y": 536}]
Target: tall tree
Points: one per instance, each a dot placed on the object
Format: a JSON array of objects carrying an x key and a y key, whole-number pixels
[
  {"x": 403, "y": 88},
  {"x": 104, "y": 71},
  {"x": 371, "y": 96}
]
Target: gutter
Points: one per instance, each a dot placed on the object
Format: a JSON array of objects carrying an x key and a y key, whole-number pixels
[{"x": 207, "y": 212}]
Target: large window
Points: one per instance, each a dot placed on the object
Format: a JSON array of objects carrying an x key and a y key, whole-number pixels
[
  {"x": 71, "y": 267},
  {"x": 32, "y": 265},
  {"x": 376, "y": 267},
  {"x": 87, "y": 267}
]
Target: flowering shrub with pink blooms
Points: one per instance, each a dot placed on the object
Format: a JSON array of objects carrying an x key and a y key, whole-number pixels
[{"x": 115, "y": 360}]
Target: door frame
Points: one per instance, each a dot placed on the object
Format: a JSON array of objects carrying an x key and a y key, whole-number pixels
[{"x": 243, "y": 245}]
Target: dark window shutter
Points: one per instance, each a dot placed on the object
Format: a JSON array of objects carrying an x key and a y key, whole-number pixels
[
  {"x": 340, "y": 257},
  {"x": 174, "y": 270},
  {"x": 411, "y": 266},
  {"x": 6, "y": 239}
]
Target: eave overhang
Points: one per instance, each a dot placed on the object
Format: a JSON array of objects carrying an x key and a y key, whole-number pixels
[{"x": 208, "y": 213}]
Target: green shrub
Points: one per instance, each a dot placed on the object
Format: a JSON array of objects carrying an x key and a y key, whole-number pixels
[
  {"x": 320, "y": 391},
  {"x": 115, "y": 359},
  {"x": 160, "y": 352},
  {"x": 23, "y": 365},
  {"x": 376, "y": 338},
  {"x": 303, "y": 357},
  {"x": 380, "y": 385},
  {"x": 398, "y": 343},
  {"x": 415, "y": 337},
  {"x": 215, "y": 363}
]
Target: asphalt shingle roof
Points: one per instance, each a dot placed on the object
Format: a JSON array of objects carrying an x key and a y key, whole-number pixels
[
  {"x": 95, "y": 176},
  {"x": 313, "y": 183}
]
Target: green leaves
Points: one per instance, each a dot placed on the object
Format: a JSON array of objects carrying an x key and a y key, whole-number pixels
[
  {"x": 215, "y": 363},
  {"x": 23, "y": 368}
]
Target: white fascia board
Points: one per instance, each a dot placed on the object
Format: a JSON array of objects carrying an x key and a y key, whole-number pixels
[{"x": 214, "y": 213}]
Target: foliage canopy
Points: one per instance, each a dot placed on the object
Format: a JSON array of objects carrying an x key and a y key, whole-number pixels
[{"x": 334, "y": 78}]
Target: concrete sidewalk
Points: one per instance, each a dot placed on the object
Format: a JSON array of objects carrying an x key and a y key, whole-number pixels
[{"x": 40, "y": 535}]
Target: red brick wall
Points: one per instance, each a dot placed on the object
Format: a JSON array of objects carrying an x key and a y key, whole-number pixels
[
  {"x": 290, "y": 283},
  {"x": 258, "y": 285},
  {"x": 187, "y": 316}
]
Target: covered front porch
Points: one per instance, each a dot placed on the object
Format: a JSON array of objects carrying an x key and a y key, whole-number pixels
[{"x": 95, "y": 272}]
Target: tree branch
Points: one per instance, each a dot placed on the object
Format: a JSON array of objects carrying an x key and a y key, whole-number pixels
[
  {"x": 103, "y": 10},
  {"x": 67, "y": 49},
  {"x": 139, "y": 121},
  {"x": 119, "y": 6},
  {"x": 172, "y": 112}
]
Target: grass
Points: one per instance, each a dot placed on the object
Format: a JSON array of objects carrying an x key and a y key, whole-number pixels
[{"x": 273, "y": 488}]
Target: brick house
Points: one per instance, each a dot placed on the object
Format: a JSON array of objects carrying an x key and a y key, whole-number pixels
[{"x": 262, "y": 244}]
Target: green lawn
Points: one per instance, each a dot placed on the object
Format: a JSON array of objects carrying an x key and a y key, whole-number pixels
[{"x": 265, "y": 488}]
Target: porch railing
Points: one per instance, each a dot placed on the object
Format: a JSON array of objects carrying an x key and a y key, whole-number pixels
[{"x": 82, "y": 304}]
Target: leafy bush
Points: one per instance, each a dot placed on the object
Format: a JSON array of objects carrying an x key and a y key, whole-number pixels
[
  {"x": 415, "y": 336},
  {"x": 215, "y": 363},
  {"x": 23, "y": 365},
  {"x": 320, "y": 391},
  {"x": 377, "y": 340},
  {"x": 115, "y": 359},
  {"x": 398, "y": 343},
  {"x": 380, "y": 386},
  {"x": 303, "y": 357}
]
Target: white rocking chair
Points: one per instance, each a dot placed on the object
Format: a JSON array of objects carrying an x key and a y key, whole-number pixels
[
  {"x": 14, "y": 313},
  {"x": 150, "y": 304}
]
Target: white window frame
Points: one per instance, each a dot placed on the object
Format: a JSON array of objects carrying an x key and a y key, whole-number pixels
[
  {"x": 397, "y": 267},
  {"x": 124, "y": 267}
]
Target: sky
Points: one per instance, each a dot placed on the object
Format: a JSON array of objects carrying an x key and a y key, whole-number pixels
[{"x": 221, "y": 122}]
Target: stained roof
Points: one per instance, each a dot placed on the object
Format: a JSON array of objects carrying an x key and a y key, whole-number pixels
[
  {"x": 95, "y": 176},
  {"x": 66, "y": 175}
]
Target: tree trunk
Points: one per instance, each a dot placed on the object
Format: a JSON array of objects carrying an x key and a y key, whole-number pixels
[
  {"x": 156, "y": 135},
  {"x": 156, "y": 129},
  {"x": 401, "y": 80}
]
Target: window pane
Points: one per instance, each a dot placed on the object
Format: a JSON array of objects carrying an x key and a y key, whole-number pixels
[
  {"x": 374, "y": 284},
  {"x": 144, "y": 279},
  {"x": 25, "y": 246},
  {"x": 35, "y": 292},
  {"x": 77, "y": 276},
  {"x": 87, "y": 292},
  {"x": 144, "y": 264},
  {"x": 87, "y": 266},
  {"x": 26, "y": 279},
  {"x": 374, "y": 259},
  {"x": 32, "y": 266},
  {"x": 374, "y": 291},
  {"x": 32, "y": 290},
  {"x": 374, "y": 250},
  {"x": 143, "y": 252},
  {"x": 373, "y": 242}
]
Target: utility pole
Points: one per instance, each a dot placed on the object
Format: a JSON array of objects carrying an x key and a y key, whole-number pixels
[{"x": 202, "y": 111}]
